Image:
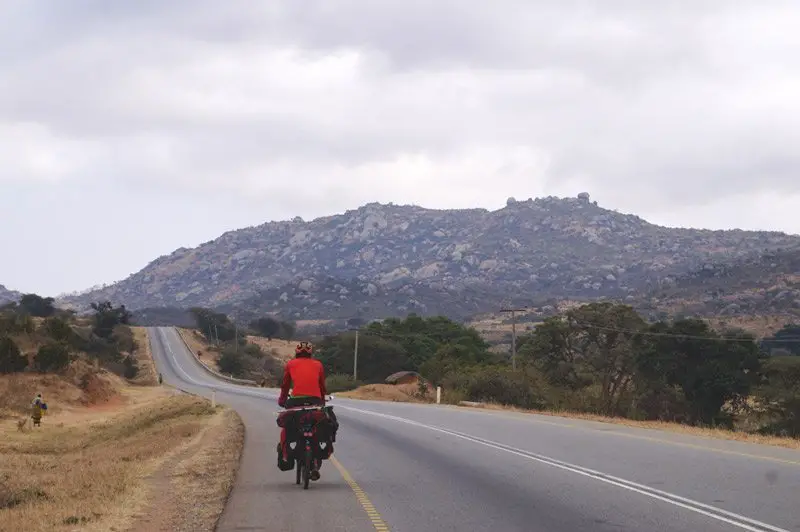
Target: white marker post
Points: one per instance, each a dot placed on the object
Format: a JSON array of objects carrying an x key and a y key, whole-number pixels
[
  {"x": 438, "y": 395},
  {"x": 213, "y": 398}
]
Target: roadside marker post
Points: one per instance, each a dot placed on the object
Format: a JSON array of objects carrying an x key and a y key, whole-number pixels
[
  {"x": 438, "y": 395},
  {"x": 213, "y": 398}
]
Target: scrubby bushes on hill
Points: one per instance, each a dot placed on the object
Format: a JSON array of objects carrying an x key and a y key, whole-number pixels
[
  {"x": 59, "y": 337},
  {"x": 272, "y": 328},
  {"x": 52, "y": 357},
  {"x": 601, "y": 358},
  {"x": 11, "y": 359}
]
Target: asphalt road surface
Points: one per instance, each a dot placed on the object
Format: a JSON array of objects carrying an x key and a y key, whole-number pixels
[{"x": 405, "y": 467}]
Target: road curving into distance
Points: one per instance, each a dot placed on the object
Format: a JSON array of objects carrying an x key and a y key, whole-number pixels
[{"x": 410, "y": 468}]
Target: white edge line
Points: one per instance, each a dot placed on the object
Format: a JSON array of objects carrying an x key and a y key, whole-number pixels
[{"x": 689, "y": 504}]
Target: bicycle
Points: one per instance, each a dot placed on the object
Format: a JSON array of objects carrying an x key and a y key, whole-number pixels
[{"x": 310, "y": 449}]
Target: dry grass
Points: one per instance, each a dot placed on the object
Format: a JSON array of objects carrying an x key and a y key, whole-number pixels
[
  {"x": 204, "y": 480},
  {"x": 760, "y": 326},
  {"x": 197, "y": 343},
  {"x": 148, "y": 376},
  {"x": 80, "y": 386},
  {"x": 310, "y": 323},
  {"x": 405, "y": 393},
  {"x": 281, "y": 350},
  {"x": 189, "y": 491},
  {"x": 87, "y": 468}
]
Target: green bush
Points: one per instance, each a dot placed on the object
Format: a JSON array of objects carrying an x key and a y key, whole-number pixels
[
  {"x": 57, "y": 329},
  {"x": 498, "y": 385},
  {"x": 52, "y": 357},
  {"x": 341, "y": 382},
  {"x": 231, "y": 362},
  {"x": 11, "y": 358},
  {"x": 131, "y": 368}
]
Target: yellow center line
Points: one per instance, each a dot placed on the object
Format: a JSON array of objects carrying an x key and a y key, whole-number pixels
[{"x": 366, "y": 504}]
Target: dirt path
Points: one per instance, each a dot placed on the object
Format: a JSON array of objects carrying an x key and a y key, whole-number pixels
[{"x": 189, "y": 490}]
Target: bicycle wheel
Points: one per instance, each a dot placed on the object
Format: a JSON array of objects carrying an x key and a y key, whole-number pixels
[{"x": 307, "y": 462}]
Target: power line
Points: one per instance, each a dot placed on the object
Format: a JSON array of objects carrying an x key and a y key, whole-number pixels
[{"x": 676, "y": 335}]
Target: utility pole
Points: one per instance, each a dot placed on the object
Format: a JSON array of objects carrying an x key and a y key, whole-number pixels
[
  {"x": 355, "y": 358},
  {"x": 513, "y": 312},
  {"x": 236, "y": 335}
]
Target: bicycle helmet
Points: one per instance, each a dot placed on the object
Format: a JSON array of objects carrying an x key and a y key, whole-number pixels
[{"x": 303, "y": 349}]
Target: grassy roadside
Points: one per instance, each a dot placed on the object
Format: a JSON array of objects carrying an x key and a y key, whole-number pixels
[
  {"x": 114, "y": 455},
  {"x": 90, "y": 470},
  {"x": 148, "y": 376},
  {"x": 406, "y": 393}
]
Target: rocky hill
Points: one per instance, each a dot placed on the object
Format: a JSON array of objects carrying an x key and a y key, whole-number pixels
[
  {"x": 391, "y": 259},
  {"x": 7, "y": 296},
  {"x": 767, "y": 284}
]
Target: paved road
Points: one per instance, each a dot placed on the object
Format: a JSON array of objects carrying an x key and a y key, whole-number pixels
[{"x": 441, "y": 468}]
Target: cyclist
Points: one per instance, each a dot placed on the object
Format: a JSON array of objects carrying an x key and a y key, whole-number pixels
[{"x": 305, "y": 376}]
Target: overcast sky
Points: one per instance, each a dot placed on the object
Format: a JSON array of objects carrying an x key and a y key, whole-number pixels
[{"x": 129, "y": 129}]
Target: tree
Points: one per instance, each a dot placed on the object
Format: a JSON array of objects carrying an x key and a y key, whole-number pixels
[
  {"x": 288, "y": 330},
  {"x": 214, "y": 325},
  {"x": 107, "y": 317},
  {"x": 41, "y": 307},
  {"x": 268, "y": 327},
  {"x": 594, "y": 345},
  {"x": 788, "y": 339},
  {"x": 609, "y": 337},
  {"x": 779, "y": 395},
  {"x": 58, "y": 329},
  {"x": 123, "y": 338},
  {"x": 232, "y": 363},
  {"x": 711, "y": 370},
  {"x": 11, "y": 358},
  {"x": 377, "y": 357},
  {"x": 421, "y": 338},
  {"x": 131, "y": 367},
  {"x": 52, "y": 357}
]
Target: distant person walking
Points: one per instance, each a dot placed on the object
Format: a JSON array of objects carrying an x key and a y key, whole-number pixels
[{"x": 38, "y": 408}]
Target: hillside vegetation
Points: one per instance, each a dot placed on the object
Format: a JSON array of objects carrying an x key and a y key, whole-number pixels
[
  {"x": 81, "y": 358},
  {"x": 389, "y": 260},
  {"x": 598, "y": 358},
  {"x": 255, "y": 352}
]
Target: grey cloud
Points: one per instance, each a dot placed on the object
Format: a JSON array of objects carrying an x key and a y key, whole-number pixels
[{"x": 627, "y": 96}]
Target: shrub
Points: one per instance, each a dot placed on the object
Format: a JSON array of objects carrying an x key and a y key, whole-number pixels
[
  {"x": 52, "y": 357},
  {"x": 131, "y": 367},
  {"x": 231, "y": 363},
  {"x": 341, "y": 382},
  {"x": 58, "y": 329},
  {"x": 11, "y": 358},
  {"x": 498, "y": 385}
]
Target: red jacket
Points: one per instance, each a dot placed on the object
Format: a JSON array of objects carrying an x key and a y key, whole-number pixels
[{"x": 305, "y": 376}]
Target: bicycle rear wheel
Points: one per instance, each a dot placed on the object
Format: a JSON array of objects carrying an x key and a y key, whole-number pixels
[{"x": 307, "y": 463}]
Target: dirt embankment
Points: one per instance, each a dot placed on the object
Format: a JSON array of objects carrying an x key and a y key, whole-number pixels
[
  {"x": 407, "y": 393},
  {"x": 197, "y": 343}
]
